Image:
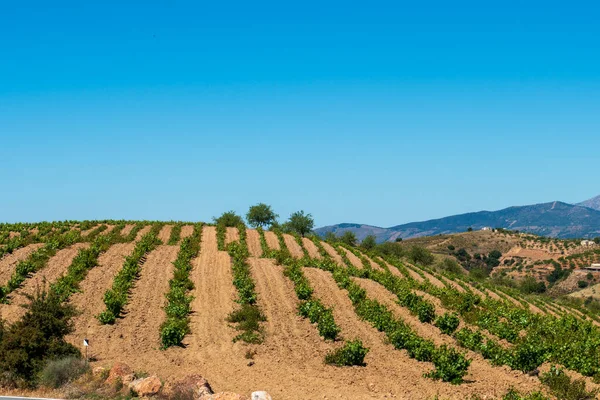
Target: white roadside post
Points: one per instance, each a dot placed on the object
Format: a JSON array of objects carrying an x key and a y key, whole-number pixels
[{"x": 86, "y": 344}]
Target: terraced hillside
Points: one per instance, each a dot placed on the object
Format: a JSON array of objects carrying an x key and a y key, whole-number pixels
[{"x": 162, "y": 298}]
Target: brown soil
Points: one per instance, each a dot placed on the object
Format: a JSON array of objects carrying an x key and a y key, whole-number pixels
[
  {"x": 374, "y": 265},
  {"x": 187, "y": 231},
  {"x": 56, "y": 267},
  {"x": 165, "y": 233},
  {"x": 253, "y": 241},
  {"x": 88, "y": 231},
  {"x": 399, "y": 274},
  {"x": 12, "y": 235},
  {"x": 127, "y": 229},
  {"x": 146, "y": 229},
  {"x": 136, "y": 335},
  {"x": 434, "y": 281},
  {"x": 9, "y": 262},
  {"x": 453, "y": 284},
  {"x": 272, "y": 240},
  {"x": 333, "y": 254},
  {"x": 313, "y": 251},
  {"x": 231, "y": 235},
  {"x": 292, "y": 245},
  {"x": 355, "y": 261}
]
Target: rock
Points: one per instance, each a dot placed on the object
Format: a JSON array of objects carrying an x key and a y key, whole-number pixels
[
  {"x": 261, "y": 396},
  {"x": 127, "y": 379},
  {"x": 147, "y": 386},
  {"x": 118, "y": 371},
  {"x": 191, "y": 386}
]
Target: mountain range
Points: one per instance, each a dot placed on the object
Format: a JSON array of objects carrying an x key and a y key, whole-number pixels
[{"x": 554, "y": 219}]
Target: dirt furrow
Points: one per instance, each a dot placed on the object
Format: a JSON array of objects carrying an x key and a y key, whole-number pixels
[
  {"x": 253, "y": 241},
  {"x": 374, "y": 265},
  {"x": 89, "y": 302},
  {"x": 231, "y": 235},
  {"x": 9, "y": 262},
  {"x": 312, "y": 249},
  {"x": 127, "y": 229},
  {"x": 134, "y": 339},
  {"x": 146, "y": 229},
  {"x": 187, "y": 231},
  {"x": 272, "y": 240},
  {"x": 293, "y": 246},
  {"x": 56, "y": 267},
  {"x": 165, "y": 233},
  {"x": 353, "y": 259},
  {"x": 395, "y": 270},
  {"x": 333, "y": 253}
]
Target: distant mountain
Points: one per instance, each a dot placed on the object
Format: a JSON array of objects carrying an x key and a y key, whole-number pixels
[
  {"x": 591, "y": 203},
  {"x": 556, "y": 219}
]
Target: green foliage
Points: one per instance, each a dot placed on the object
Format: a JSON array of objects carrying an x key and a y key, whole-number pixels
[
  {"x": 260, "y": 215},
  {"x": 369, "y": 243},
  {"x": 301, "y": 223},
  {"x": 349, "y": 238},
  {"x": 512, "y": 394},
  {"x": 582, "y": 284},
  {"x": 352, "y": 353},
  {"x": 177, "y": 309},
  {"x": 229, "y": 219},
  {"x": 564, "y": 388},
  {"x": 57, "y": 373},
  {"x": 390, "y": 250},
  {"x": 450, "y": 365},
  {"x": 317, "y": 313},
  {"x": 175, "y": 234},
  {"x": 116, "y": 298},
  {"x": 447, "y": 323},
  {"x": 420, "y": 255},
  {"x": 248, "y": 317},
  {"x": 530, "y": 285},
  {"x": 38, "y": 337},
  {"x": 450, "y": 265}
]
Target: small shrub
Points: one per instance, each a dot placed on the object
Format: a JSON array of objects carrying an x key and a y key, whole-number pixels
[
  {"x": 56, "y": 373},
  {"x": 564, "y": 388},
  {"x": 450, "y": 365},
  {"x": 582, "y": 284},
  {"x": 352, "y": 353},
  {"x": 447, "y": 323}
]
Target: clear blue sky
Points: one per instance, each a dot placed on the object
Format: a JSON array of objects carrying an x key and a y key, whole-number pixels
[{"x": 373, "y": 112}]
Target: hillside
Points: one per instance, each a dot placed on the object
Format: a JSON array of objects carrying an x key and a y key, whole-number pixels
[
  {"x": 593, "y": 203},
  {"x": 556, "y": 219},
  {"x": 351, "y": 293}
]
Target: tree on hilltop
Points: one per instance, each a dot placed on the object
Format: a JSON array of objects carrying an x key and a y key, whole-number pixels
[
  {"x": 348, "y": 238},
  {"x": 301, "y": 223},
  {"x": 229, "y": 218},
  {"x": 261, "y": 215},
  {"x": 369, "y": 242}
]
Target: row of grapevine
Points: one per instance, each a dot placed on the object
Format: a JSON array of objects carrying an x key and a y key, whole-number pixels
[
  {"x": 178, "y": 309},
  {"x": 117, "y": 297},
  {"x": 248, "y": 316}
]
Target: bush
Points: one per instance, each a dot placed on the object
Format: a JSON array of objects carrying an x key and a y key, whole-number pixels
[
  {"x": 450, "y": 265},
  {"x": 229, "y": 219},
  {"x": 420, "y": 255},
  {"x": 450, "y": 365},
  {"x": 564, "y": 388},
  {"x": 369, "y": 242},
  {"x": 582, "y": 284},
  {"x": 58, "y": 372},
  {"x": 248, "y": 317},
  {"x": 29, "y": 343},
  {"x": 352, "y": 353},
  {"x": 447, "y": 323}
]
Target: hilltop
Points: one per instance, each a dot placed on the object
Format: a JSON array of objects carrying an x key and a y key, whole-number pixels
[
  {"x": 554, "y": 219},
  {"x": 297, "y": 316}
]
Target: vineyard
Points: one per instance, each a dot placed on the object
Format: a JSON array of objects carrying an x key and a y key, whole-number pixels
[{"x": 296, "y": 316}]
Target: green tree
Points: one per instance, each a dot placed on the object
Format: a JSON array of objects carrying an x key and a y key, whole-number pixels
[
  {"x": 229, "y": 218},
  {"x": 398, "y": 239},
  {"x": 469, "y": 229},
  {"x": 348, "y": 238},
  {"x": 420, "y": 255},
  {"x": 330, "y": 237},
  {"x": 597, "y": 240},
  {"x": 261, "y": 215},
  {"x": 369, "y": 242},
  {"x": 301, "y": 223}
]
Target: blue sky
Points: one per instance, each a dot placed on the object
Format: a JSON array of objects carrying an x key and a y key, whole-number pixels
[{"x": 379, "y": 113}]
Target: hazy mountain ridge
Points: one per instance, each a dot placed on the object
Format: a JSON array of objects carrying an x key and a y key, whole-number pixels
[{"x": 554, "y": 219}]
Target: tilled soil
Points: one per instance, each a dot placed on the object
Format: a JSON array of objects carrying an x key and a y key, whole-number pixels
[
  {"x": 333, "y": 254},
  {"x": 253, "y": 241},
  {"x": 9, "y": 262},
  {"x": 355, "y": 261},
  {"x": 312, "y": 249},
  {"x": 134, "y": 338},
  {"x": 127, "y": 229},
  {"x": 56, "y": 267},
  {"x": 272, "y": 241},
  {"x": 165, "y": 233},
  {"x": 231, "y": 235},
  {"x": 187, "y": 231},
  {"x": 293, "y": 246}
]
